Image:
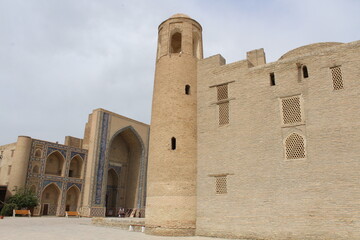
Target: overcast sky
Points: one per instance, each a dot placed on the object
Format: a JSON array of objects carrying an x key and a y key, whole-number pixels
[{"x": 60, "y": 59}]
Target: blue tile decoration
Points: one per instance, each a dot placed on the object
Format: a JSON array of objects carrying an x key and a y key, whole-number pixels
[
  {"x": 73, "y": 154},
  {"x": 47, "y": 182},
  {"x": 70, "y": 184},
  {"x": 51, "y": 149},
  {"x": 101, "y": 163}
]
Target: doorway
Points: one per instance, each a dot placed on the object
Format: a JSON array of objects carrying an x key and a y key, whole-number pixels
[{"x": 45, "y": 209}]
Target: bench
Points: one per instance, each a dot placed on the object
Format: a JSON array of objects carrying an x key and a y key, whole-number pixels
[
  {"x": 21, "y": 212},
  {"x": 74, "y": 213},
  {"x": 131, "y": 227}
]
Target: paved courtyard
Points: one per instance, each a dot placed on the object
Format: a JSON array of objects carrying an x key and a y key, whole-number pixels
[{"x": 56, "y": 228}]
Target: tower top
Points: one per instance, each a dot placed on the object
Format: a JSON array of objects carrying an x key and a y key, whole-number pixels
[{"x": 185, "y": 17}]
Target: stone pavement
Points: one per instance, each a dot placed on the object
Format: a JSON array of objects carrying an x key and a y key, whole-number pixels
[{"x": 59, "y": 228}]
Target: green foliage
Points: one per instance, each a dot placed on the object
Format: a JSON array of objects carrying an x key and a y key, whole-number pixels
[
  {"x": 7, "y": 210},
  {"x": 24, "y": 198}
]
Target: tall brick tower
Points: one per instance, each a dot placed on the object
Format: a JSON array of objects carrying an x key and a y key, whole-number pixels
[{"x": 171, "y": 193}]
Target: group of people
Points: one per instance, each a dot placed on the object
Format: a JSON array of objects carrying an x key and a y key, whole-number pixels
[{"x": 121, "y": 212}]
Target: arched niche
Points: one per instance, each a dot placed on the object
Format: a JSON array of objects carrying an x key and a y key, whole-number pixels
[
  {"x": 72, "y": 199},
  {"x": 55, "y": 164},
  {"x": 112, "y": 192},
  {"x": 126, "y": 154},
  {"x": 76, "y": 167},
  {"x": 175, "y": 42},
  {"x": 35, "y": 169},
  {"x": 50, "y": 200},
  {"x": 38, "y": 153}
]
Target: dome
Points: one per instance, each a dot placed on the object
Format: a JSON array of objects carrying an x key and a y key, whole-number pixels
[
  {"x": 179, "y": 15},
  {"x": 308, "y": 49}
]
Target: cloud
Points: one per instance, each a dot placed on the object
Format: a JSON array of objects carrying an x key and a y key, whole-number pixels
[{"x": 59, "y": 60}]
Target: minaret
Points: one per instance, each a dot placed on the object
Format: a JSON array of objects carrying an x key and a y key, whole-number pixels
[
  {"x": 171, "y": 191},
  {"x": 17, "y": 178}
]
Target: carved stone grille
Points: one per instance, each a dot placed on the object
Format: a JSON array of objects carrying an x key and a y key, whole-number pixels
[
  {"x": 337, "y": 78},
  {"x": 222, "y": 92},
  {"x": 221, "y": 184},
  {"x": 291, "y": 110},
  {"x": 295, "y": 147},
  {"x": 223, "y": 113}
]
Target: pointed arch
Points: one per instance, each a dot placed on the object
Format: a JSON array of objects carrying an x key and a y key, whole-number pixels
[
  {"x": 72, "y": 198},
  {"x": 38, "y": 153},
  {"x": 76, "y": 167},
  {"x": 55, "y": 164},
  {"x": 112, "y": 193},
  {"x": 113, "y": 178},
  {"x": 132, "y": 174},
  {"x": 50, "y": 199},
  {"x": 35, "y": 169},
  {"x": 295, "y": 146},
  {"x": 176, "y": 42}
]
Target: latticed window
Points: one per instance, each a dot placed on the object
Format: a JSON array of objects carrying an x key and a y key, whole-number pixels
[
  {"x": 223, "y": 113},
  {"x": 295, "y": 147},
  {"x": 291, "y": 110},
  {"x": 222, "y": 96},
  {"x": 337, "y": 78},
  {"x": 222, "y": 92},
  {"x": 221, "y": 184}
]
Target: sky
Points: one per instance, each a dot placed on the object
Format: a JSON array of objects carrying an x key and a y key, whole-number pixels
[{"x": 61, "y": 59}]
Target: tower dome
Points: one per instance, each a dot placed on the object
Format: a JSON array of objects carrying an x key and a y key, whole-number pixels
[{"x": 179, "y": 15}]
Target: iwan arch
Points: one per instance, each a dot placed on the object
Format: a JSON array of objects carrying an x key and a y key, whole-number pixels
[{"x": 249, "y": 149}]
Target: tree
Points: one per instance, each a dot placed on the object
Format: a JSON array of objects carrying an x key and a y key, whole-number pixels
[
  {"x": 24, "y": 198},
  {"x": 7, "y": 209}
]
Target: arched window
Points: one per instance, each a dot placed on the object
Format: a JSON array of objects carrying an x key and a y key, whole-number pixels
[
  {"x": 187, "y": 89},
  {"x": 38, "y": 153},
  {"x": 295, "y": 146},
  {"x": 72, "y": 199},
  {"x": 75, "y": 167},
  {"x": 173, "y": 143},
  {"x": 54, "y": 164},
  {"x": 35, "y": 169},
  {"x": 175, "y": 46},
  {"x": 305, "y": 72}
]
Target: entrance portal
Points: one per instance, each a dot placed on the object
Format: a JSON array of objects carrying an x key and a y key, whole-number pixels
[{"x": 123, "y": 180}]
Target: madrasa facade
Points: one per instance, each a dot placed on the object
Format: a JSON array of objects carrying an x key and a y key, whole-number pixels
[
  {"x": 95, "y": 175},
  {"x": 248, "y": 149}
]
